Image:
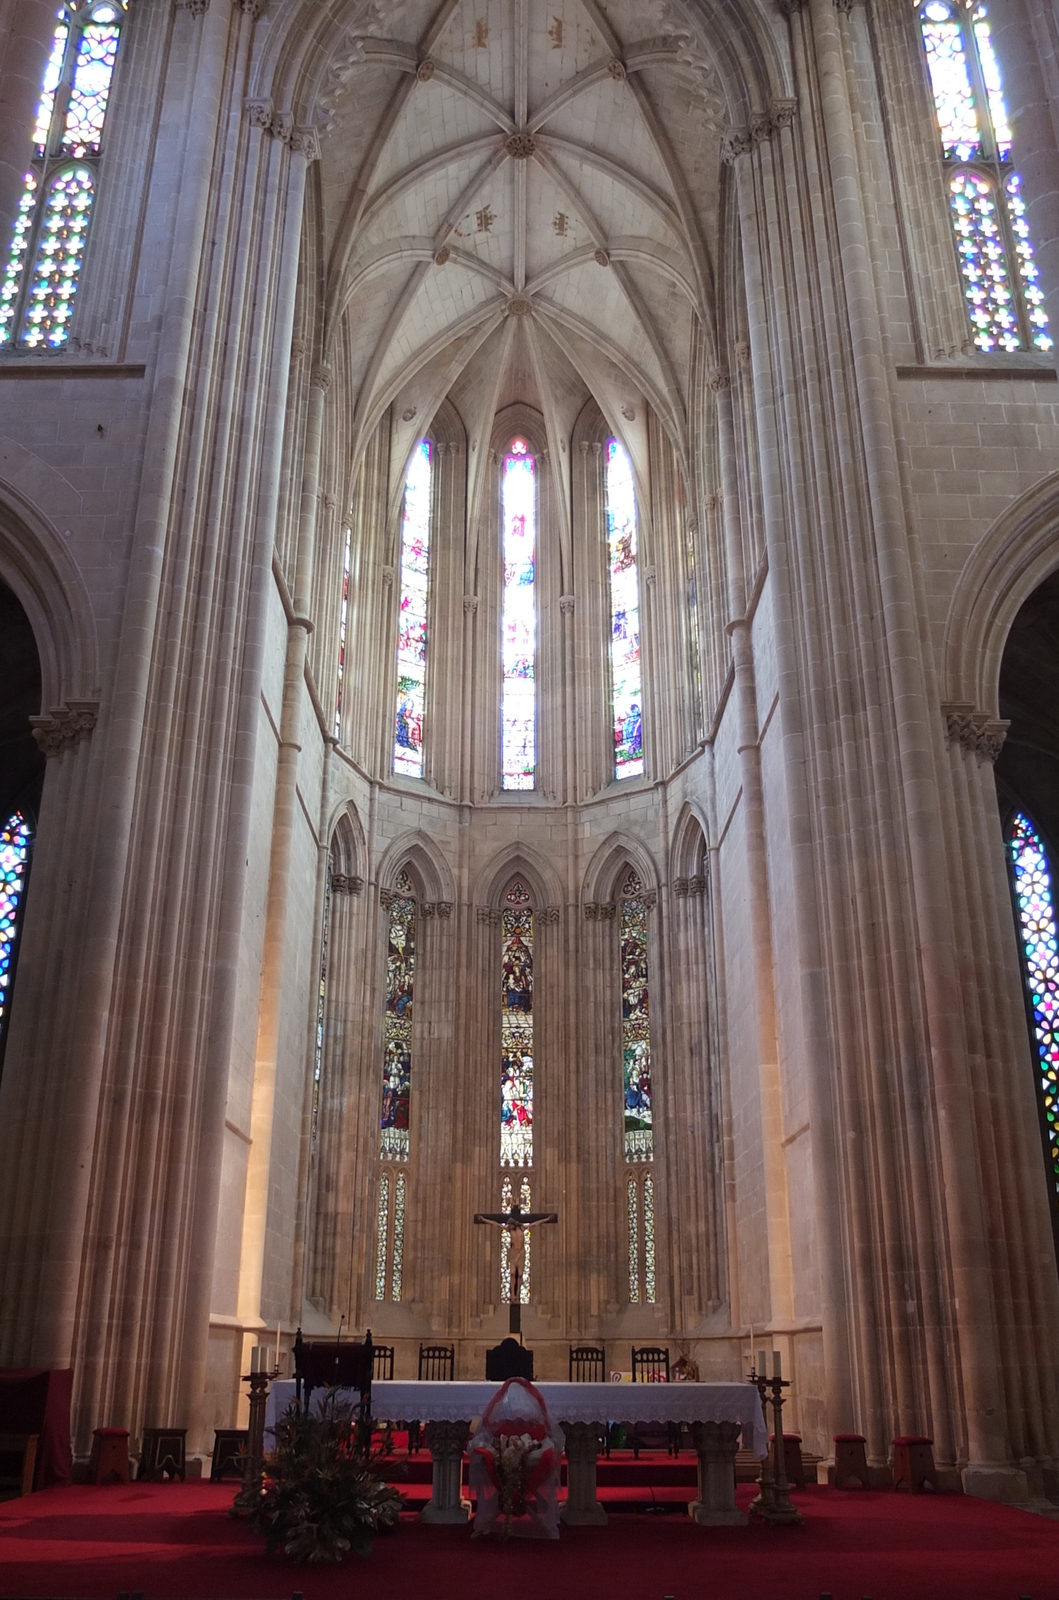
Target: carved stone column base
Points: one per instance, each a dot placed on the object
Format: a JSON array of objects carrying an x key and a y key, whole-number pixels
[
  {"x": 581, "y": 1509},
  {"x": 716, "y": 1444},
  {"x": 447, "y": 1442}
]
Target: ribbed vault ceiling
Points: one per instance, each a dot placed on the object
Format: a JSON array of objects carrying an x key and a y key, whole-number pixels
[{"x": 495, "y": 163}]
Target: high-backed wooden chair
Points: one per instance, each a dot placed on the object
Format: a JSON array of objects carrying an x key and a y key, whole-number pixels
[
  {"x": 650, "y": 1364},
  {"x": 437, "y": 1363},
  {"x": 230, "y": 1446},
  {"x": 382, "y": 1362},
  {"x": 162, "y": 1455},
  {"x": 588, "y": 1363}
]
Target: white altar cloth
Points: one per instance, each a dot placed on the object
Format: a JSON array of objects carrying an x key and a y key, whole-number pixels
[{"x": 400, "y": 1400}]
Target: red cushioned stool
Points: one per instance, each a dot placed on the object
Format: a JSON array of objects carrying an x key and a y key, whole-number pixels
[
  {"x": 792, "y": 1458},
  {"x": 851, "y": 1464},
  {"x": 914, "y": 1463},
  {"x": 109, "y": 1461}
]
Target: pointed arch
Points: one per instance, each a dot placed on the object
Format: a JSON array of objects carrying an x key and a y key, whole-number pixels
[
  {"x": 615, "y": 855},
  {"x": 518, "y": 860},
  {"x": 688, "y": 854},
  {"x": 348, "y": 846},
  {"x": 419, "y": 855}
]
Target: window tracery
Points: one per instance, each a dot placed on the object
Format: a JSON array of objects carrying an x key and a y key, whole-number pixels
[
  {"x": 1039, "y": 940},
  {"x": 48, "y": 244},
  {"x": 412, "y": 614},
  {"x": 987, "y": 211},
  {"x": 518, "y": 698},
  {"x": 626, "y": 686}
]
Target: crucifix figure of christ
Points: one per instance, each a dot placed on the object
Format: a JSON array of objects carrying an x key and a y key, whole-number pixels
[{"x": 516, "y": 1221}]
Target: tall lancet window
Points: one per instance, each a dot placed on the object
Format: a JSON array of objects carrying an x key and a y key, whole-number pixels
[
  {"x": 16, "y": 843},
  {"x": 1035, "y": 908},
  {"x": 412, "y": 615},
  {"x": 518, "y": 698},
  {"x": 343, "y": 623},
  {"x": 321, "y": 1002},
  {"x": 1000, "y": 279},
  {"x": 396, "y": 1088},
  {"x": 636, "y": 1087},
  {"x": 47, "y": 249},
  {"x": 626, "y": 687},
  {"x": 516, "y": 1068}
]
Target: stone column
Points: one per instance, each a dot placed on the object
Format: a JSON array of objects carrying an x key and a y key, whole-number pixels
[
  {"x": 446, "y": 1442},
  {"x": 581, "y": 1508},
  {"x": 716, "y": 1444}
]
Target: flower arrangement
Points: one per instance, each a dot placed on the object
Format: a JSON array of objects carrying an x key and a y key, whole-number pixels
[
  {"x": 515, "y": 1457},
  {"x": 522, "y": 1456},
  {"x": 318, "y": 1499}
]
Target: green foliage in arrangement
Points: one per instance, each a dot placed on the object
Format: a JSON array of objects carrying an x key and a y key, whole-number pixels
[{"x": 318, "y": 1498}]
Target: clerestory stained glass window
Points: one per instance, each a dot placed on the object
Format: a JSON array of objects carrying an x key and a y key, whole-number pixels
[
  {"x": 625, "y": 677},
  {"x": 412, "y": 615},
  {"x": 343, "y": 622},
  {"x": 1000, "y": 278},
  {"x": 397, "y": 1027},
  {"x": 16, "y": 842},
  {"x": 1035, "y": 906},
  {"x": 321, "y": 1003},
  {"x": 47, "y": 248},
  {"x": 518, "y": 698},
  {"x": 507, "y": 1200},
  {"x": 516, "y": 1030},
  {"x": 635, "y": 1022}
]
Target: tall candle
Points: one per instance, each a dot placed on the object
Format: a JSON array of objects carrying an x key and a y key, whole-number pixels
[
  {"x": 761, "y": 1363},
  {"x": 275, "y": 1363},
  {"x": 776, "y": 1369}
]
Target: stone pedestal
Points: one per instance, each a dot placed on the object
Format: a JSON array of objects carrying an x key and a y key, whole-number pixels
[
  {"x": 446, "y": 1442},
  {"x": 581, "y": 1508},
  {"x": 716, "y": 1444}
]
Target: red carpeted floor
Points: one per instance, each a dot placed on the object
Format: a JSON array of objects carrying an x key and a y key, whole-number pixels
[{"x": 176, "y": 1542}]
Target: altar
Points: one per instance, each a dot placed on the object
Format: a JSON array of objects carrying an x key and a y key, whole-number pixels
[{"x": 719, "y": 1416}]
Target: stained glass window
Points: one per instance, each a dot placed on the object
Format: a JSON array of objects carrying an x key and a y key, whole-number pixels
[
  {"x": 1000, "y": 279},
  {"x": 625, "y": 680},
  {"x": 16, "y": 839},
  {"x": 635, "y": 1022},
  {"x": 382, "y": 1236},
  {"x": 397, "y": 1027},
  {"x": 1035, "y": 903},
  {"x": 412, "y": 615},
  {"x": 321, "y": 1004},
  {"x": 525, "y": 1200},
  {"x": 397, "y": 1250},
  {"x": 518, "y": 700},
  {"x": 634, "y": 1241},
  {"x": 516, "y": 1031},
  {"x": 47, "y": 247},
  {"x": 343, "y": 620}
]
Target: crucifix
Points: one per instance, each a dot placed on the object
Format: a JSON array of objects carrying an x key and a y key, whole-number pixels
[{"x": 516, "y": 1221}]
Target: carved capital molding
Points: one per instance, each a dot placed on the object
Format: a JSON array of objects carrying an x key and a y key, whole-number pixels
[
  {"x": 388, "y": 576},
  {"x": 718, "y": 379},
  {"x": 845, "y": 6},
  {"x": 470, "y": 604},
  {"x": 649, "y": 900},
  {"x": 973, "y": 731},
  {"x": 600, "y": 911},
  {"x": 548, "y": 914},
  {"x": 487, "y": 915},
  {"x": 650, "y": 576},
  {"x": 736, "y": 142},
  {"x": 305, "y": 142},
  {"x": 742, "y": 353},
  {"x": 684, "y": 888},
  {"x": 790, "y": 8},
  {"x": 322, "y": 376},
  {"x": 436, "y": 908},
  {"x": 197, "y": 8},
  {"x": 566, "y": 604},
  {"x": 251, "y": 8},
  {"x": 783, "y": 113},
  {"x": 259, "y": 114},
  {"x": 342, "y": 883},
  {"x": 64, "y": 726}
]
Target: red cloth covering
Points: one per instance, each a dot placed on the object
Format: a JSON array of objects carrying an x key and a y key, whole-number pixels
[{"x": 37, "y": 1400}]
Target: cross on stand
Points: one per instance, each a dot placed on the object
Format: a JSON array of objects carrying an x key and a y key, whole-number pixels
[{"x": 516, "y": 1221}]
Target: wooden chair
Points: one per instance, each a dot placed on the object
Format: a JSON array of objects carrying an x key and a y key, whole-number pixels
[
  {"x": 588, "y": 1363},
  {"x": 650, "y": 1364},
  {"x": 508, "y": 1359},
  {"x": 437, "y": 1363},
  {"x": 109, "y": 1462},
  {"x": 851, "y": 1463},
  {"x": 230, "y": 1445},
  {"x": 18, "y": 1458},
  {"x": 914, "y": 1463},
  {"x": 162, "y": 1455},
  {"x": 382, "y": 1362}
]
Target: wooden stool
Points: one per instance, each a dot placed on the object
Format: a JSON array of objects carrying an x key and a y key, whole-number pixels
[
  {"x": 24, "y": 1446},
  {"x": 109, "y": 1461},
  {"x": 229, "y": 1444},
  {"x": 162, "y": 1454},
  {"x": 851, "y": 1464},
  {"x": 914, "y": 1463},
  {"x": 792, "y": 1458}
]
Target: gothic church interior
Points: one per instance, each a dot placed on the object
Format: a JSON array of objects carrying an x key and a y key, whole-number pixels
[{"x": 523, "y": 531}]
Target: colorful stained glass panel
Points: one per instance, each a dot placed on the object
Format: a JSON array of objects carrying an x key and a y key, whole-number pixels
[
  {"x": 52, "y": 74},
  {"x": 397, "y": 1029},
  {"x": 516, "y": 1040},
  {"x": 983, "y": 262},
  {"x": 16, "y": 260},
  {"x": 525, "y": 1200},
  {"x": 626, "y": 684},
  {"x": 321, "y": 1004},
  {"x": 950, "y": 80},
  {"x": 382, "y": 1235},
  {"x": 1034, "y": 897},
  {"x": 412, "y": 616},
  {"x": 518, "y": 701},
  {"x": 635, "y": 1031},
  {"x": 343, "y": 620},
  {"x": 97, "y": 51},
  {"x": 15, "y": 840},
  {"x": 991, "y": 76},
  {"x": 1033, "y": 298},
  {"x": 57, "y": 265}
]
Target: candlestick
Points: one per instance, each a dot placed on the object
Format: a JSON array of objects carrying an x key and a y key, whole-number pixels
[
  {"x": 776, "y": 1369},
  {"x": 275, "y": 1363}
]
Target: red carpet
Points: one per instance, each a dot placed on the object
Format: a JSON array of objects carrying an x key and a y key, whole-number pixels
[{"x": 176, "y": 1542}]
